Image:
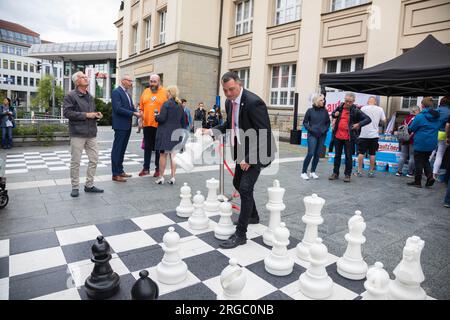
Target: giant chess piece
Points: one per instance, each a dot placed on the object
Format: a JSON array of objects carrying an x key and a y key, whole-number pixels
[
  {"x": 377, "y": 283},
  {"x": 315, "y": 282},
  {"x": 312, "y": 219},
  {"x": 275, "y": 206},
  {"x": 193, "y": 151},
  {"x": 351, "y": 265},
  {"x": 185, "y": 209},
  {"x": 198, "y": 220},
  {"x": 103, "y": 282},
  {"x": 225, "y": 228},
  {"x": 144, "y": 288},
  {"x": 171, "y": 270},
  {"x": 279, "y": 262},
  {"x": 212, "y": 203},
  {"x": 408, "y": 273},
  {"x": 233, "y": 281}
]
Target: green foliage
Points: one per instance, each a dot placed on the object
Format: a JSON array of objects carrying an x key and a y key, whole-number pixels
[
  {"x": 44, "y": 94},
  {"x": 106, "y": 110}
]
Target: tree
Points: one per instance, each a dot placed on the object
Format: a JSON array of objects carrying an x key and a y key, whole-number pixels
[{"x": 44, "y": 94}]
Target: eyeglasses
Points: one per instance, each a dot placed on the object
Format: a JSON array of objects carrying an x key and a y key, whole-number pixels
[{"x": 83, "y": 77}]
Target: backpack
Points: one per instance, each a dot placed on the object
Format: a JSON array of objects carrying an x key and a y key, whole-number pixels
[{"x": 403, "y": 133}]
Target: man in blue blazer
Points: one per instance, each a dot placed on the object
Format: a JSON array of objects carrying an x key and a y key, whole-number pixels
[{"x": 122, "y": 116}]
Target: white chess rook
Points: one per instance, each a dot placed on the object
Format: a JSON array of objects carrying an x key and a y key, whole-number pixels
[
  {"x": 279, "y": 262},
  {"x": 225, "y": 228},
  {"x": 352, "y": 265},
  {"x": 312, "y": 219},
  {"x": 233, "y": 280},
  {"x": 198, "y": 220},
  {"x": 315, "y": 282},
  {"x": 212, "y": 203},
  {"x": 186, "y": 208},
  {"x": 377, "y": 283},
  {"x": 275, "y": 206},
  {"x": 408, "y": 273},
  {"x": 171, "y": 270}
]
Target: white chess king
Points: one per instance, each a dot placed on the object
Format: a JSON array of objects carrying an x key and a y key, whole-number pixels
[
  {"x": 186, "y": 208},
  {"x": 275, "y": 206}
]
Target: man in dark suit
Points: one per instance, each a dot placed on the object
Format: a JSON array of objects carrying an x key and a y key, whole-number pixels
[
  {"x": 122, "y": 116},
  {"x": 253, "y": 148}
]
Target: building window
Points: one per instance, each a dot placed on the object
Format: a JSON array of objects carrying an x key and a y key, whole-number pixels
[
  {"x": 282, "y": 89},
  {"x": 12, "y": 65},
  {"x": 344, "y": 65},
  {"x": 13, "y": 80},
  {"x": 343, "y": 4},
  {"x": 135, "y": 39},
  {"x": 25, "y": 66},
  {"x": 47, "y": 70},
  {"x": 25, "y": 81},
  {"x": 11, "y": 50},
  {"x": 37, "y": 82},
  {"x": 19, "y": 66},
  {"x": 4, "y": 49},
  {"x": 408, "y": 102},
  {"x": 19, "y": 81},
  {"x": 244, "y": 17},
  {"x": 162, "y": 26},
  {"x": 18, "y": 51},
  {"x": 287, "y": 11},
  {"x": 5, "y": 64},
  {"x": 244, "y": 75},
  {"x": 31, "y": 82},
  {"x": 31, "y": 67},
  {"x": 148, "y": 32}
]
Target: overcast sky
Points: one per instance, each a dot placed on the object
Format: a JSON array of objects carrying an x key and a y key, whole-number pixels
[{"x": 64, "y": 20}]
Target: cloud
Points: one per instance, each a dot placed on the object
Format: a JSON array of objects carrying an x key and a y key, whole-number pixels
[{"x": 63, "y": 20}]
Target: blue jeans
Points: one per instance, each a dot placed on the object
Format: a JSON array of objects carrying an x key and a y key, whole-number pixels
[
  {"x": 7, "y": 137},
  {"x": 314, "y": 147},
  {"x": 121, "y": 138}
]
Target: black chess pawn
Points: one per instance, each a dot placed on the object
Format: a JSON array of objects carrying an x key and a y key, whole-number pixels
[
  {"x": 103, "y": 282},
  {"x": 144, "y": 288}
]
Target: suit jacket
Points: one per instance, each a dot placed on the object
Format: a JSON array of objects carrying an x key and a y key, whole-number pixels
[
  {"x": 122, "y": 110},
  {"x": 257, "y": 141}
]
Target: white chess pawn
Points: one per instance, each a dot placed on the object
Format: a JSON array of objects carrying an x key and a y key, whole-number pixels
[
  {"x": 315, "y": 282},
  {"x": 312, "y": 219},
  {"x": 233, "y": 280},
  {"x": 171, "y": 270},
  {"x": 185, "y": 209},
  {"x": 212, "y": 203},
  {"x": 225, "y": 228},
  {"x": 198, "y": 220},
  {"x": 408, "y": 273},
  {"x": 352, "y": 265},
  {"x": 275, "y": 206},
  {"x": 377, "y": 283},
  {"x": 279, "y": 262}
]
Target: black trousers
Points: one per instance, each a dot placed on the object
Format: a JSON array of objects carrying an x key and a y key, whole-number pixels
[
  {"x": 347, "y": 146},
  {"x": 422, "y": 163},
  {"x": 149, "y": 141},
  {"x": 244, "y": 182}
]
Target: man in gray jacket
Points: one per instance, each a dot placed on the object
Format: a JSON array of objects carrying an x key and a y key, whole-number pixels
[{"x": 79, "y": 108}]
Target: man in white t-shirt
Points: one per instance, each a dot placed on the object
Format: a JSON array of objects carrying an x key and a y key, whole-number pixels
[{"x": 368, "y": 139}]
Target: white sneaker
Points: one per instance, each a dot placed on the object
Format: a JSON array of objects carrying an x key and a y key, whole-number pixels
[
  {"x": 172, "y": 181},
  {"x": 314, "y": 175},
  {"x": 305, "y": 176},
  {"x": 160, "y": 180}
]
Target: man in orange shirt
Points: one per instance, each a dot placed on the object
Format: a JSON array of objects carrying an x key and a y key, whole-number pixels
[{"x": 152, "y": 100}]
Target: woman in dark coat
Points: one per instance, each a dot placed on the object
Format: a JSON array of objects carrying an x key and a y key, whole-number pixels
[
  {"x": 7, "y": 114},
  {"x": 170, "y": 119}
]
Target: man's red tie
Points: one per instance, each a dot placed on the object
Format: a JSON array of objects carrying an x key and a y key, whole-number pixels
[{"x": 233, "y": 125}]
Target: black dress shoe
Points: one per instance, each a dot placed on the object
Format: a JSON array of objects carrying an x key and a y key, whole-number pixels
[
  {"x": 74, "y": 193},
  {"x": 250, "y": 221},
  {"x": 93, "y": 190},
  {"x": 430, "y": 182},
  {"x": 233, "y": 242},
  {"x": 414, "y": 184}
]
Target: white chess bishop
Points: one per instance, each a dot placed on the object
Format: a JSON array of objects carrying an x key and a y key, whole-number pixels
[
  {"x": 233, "y": 280},
  {"x": 352, "y": 265},
  {"x": 212, "y": 203},
  {"x": 408, "y": 273},
  {"x": 171, "y": 270},
  {"x": 315, "y": 282},
  {"x": 193, "y": 151},
  {"x": 186, "y": 208},
  {"x": 275, "y": 206},
  {"x": 225, "y": 228},
  {"x": 312, "y": 219},
  {"x": 279, "y": 262},
  {"x": 198, "y": 220},
  {"x": 377, "y": 283}
]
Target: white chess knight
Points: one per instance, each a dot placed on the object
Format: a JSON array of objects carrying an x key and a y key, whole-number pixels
[
  {"x": 171, "y": 270},
  {"x": 352, "y": 265},
  {"x": 186, "y": 208},
  {"x": 233, "y": 280},
  {"x": 193, "y": 151},
  {"x": 198, "y": 219},
  {"x": 279, "y": 262},
  {"x": 315, "y": 282},
  {"x": 312, "y": 219},
  {"x": 212, "y": 203},
  {"x": 275, "y": 206},
  {"x": 225, "y": 228},
  {"x": 408, "y": 273},
  {"x": 377, "y": 283}
]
